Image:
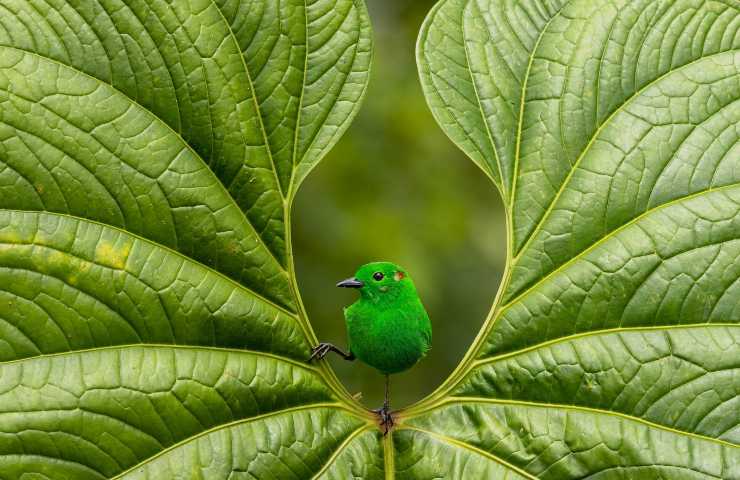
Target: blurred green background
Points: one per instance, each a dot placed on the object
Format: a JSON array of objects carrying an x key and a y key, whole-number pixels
[{"x": 395, "y": 188}]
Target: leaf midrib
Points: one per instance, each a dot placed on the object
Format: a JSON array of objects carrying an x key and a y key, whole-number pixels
[
  {"x": 299, "y": 111},
  {"x": 173, "y": 346},
  {"x": 569, "y": 338},
  {"x": 236, "y": 284},
  {"x": 610, "y": 235},
  {"x": 607, "y": 121},
  {"x": 253, "y": 94},
  {"x": 338, "y": 451},
  {"x": 439, "y": 396},
  {"x": 310, "y": 406},
  {"x": 425, "y": 69},
  {"x": 480, "y": 105},
  {"x": 599, "y": 411},
  {"x": 522, "y": 102}
]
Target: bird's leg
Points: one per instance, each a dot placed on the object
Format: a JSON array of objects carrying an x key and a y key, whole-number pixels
[
  {"x": 322, "y": 349},
  {"x": 386, "y": 418}
]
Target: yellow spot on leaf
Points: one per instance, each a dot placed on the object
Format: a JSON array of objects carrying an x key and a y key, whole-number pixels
[
  {"x": 113, "y": 256},
  {"x": 9, "y": 237},
  {"x": 55, "y": 258}
]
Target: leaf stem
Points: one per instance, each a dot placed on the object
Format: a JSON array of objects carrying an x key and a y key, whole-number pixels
[
  {"x": 462, "y": 368},
  {"x": 323, "y": 367},
  {"x": 389, "y": 461}
]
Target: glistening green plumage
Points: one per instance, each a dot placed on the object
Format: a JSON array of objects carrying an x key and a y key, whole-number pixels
[{"x": 387, "y": 327}]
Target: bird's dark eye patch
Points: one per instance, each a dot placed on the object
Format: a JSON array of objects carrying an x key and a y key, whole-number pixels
[{"x": 378, "y": 276}]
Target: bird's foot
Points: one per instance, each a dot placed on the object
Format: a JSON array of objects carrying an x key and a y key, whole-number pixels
[
  {"x": 319, "y": 351},
  {"x": 386, "y": 418}
]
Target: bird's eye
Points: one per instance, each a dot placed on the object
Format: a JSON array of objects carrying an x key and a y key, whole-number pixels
[{"x": 378, "y": 276}]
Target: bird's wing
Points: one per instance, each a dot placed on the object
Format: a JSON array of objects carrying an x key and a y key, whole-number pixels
[
  {"x": 426, "y": 327},
  {"x": 423, "y": 324}
]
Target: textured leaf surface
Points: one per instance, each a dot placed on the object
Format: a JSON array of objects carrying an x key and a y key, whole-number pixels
[
  {"x": 611, "y": 130},
  {"x": 150, "y": 325},
  {"x": 149, "y": 153}
]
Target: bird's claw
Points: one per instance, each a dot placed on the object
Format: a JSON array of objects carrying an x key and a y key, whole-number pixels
[
  {"x": 386, "y": 418},
  {"x": 319, "y": 351}
]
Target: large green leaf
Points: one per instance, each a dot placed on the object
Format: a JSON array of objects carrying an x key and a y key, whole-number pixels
[
  {"x": 613, "y": 348},
  {"x": 150, "y": 151},
  {"x": 150, "y": 324}
]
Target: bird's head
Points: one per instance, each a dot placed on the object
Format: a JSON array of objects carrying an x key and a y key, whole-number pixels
[{"x": 380, "y": 280}]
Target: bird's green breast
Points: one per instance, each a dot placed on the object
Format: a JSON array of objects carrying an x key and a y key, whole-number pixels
[{"x": 390, "y": 337}]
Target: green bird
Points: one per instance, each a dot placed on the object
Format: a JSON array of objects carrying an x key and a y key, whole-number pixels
[{"x": 387, "y": 327}]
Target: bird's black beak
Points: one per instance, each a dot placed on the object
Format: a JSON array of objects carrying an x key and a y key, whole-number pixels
[{"x": 351, "y": 283}]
